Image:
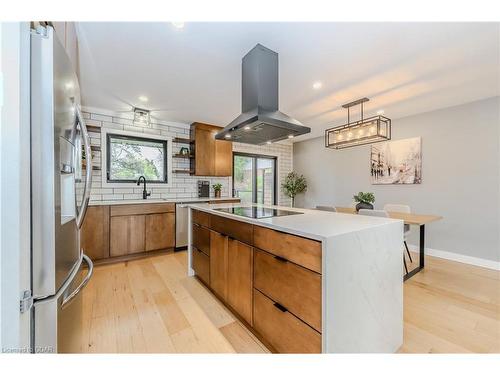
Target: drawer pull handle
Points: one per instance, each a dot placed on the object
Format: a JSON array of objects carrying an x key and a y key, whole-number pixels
[
  {"x": 281, "y": 259},
  {"x": 280, "y": 307}
]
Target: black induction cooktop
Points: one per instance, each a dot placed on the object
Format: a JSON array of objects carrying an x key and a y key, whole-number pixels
[{"x": 257, "y": 212}]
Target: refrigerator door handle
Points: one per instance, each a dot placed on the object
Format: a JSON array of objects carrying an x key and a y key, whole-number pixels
[
  {"x": 88, "y": 172},
  {"x": 73, "y": 294},
  {"x": 64, "y": 286}
]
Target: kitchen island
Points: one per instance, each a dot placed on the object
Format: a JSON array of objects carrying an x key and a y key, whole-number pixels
[{"x": 306, "y": 282}]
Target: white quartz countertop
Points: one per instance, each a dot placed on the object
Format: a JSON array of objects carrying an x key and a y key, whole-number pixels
[
  {"x": 313, "y": 224},
  {"x": 143, "y": 201}
]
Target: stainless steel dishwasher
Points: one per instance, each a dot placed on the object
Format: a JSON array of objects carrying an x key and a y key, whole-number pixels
[{"x": 181, "y": 224}]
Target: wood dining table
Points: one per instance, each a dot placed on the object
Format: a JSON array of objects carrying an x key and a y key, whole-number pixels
[{"x": 411, "y": 219}]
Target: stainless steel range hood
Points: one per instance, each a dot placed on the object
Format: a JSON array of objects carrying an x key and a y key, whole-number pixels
[{"x": 260, "y": 121}]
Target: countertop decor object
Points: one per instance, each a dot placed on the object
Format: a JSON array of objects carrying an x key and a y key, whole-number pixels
[
  {"x": 217, "y": 189},
  {"x": 365, "y": 201},
  {"x": 362, "y": 132},
  {"x": 293, "y": 185}
]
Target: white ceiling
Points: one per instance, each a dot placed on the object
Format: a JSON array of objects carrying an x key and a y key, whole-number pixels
[{"x": 194, "y": 73}]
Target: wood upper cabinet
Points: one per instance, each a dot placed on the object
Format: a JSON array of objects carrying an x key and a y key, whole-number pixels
[
  {"x": 159, "y": 231},
  {"x": 212, "y": 157},
  {"x": 239, "y": 278},
  {"x": 94, "y": 234}
]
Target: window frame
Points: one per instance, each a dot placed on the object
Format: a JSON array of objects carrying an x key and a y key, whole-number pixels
[
  {"x": 142, "y": 136},
  {"x": 254, "y": 173},
  {"x": 164, "y": 143}
]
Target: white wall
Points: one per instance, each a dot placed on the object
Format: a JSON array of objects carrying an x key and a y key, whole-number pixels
[
  {"x": 460, "y": 176},
  {"x": 182, "y": 185},
  {"x": 15, "y": 185}
]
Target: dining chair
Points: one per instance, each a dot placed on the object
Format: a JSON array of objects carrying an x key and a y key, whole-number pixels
[
  {"x": 390, "y": 207},
  {"x": 380, "y": 213},
  {"x": 326, "y": 208}
]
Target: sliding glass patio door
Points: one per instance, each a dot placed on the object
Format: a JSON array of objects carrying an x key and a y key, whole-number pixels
[{"x": 254, "y": 178}]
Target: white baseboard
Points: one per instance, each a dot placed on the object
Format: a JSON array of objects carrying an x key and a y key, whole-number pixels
[{"x": 480, "y": 262}]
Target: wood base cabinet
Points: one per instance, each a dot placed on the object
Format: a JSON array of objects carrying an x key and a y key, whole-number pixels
[
  {"x": 231, "y": 265},
  {"x": 94, "y": 235},
  {"x": 275, "y": 287},
  {"x": 283, "y": 330},
  {"x": 118, "y": 231}
]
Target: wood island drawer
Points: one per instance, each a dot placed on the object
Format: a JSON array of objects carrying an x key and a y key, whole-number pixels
[
  {"x": 201, "y": 238},
  {"x": 141, "y": 209},
  {"x": 201, "y": 218},
  {"x": 201, "y": 265},
  {"x": 295, "y": 287},
  {"x": 285, "y": 332},
  {"x": 232, "y": 228},
  {"x": 302, "y": 251}
]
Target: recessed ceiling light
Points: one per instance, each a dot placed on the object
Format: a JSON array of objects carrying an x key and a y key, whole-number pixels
[
  {"x": 317, "y": 85},
  {"x": 380, "y": 112},
  {"x": 247, "y": 127},
  {"x": 268, "y": 142},
  {"x": 143, "y": 98},
  {"x": 178, "y": 25},
  {"x": 227, "y": 136},
  {"x": 290, "y": 136}
]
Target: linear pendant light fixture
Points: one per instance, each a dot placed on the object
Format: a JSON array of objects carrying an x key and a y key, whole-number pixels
[{"x": 367, "y": 130}]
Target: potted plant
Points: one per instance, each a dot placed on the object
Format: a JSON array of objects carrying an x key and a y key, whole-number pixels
[
  {"x": 365, "y": 201},
  {"x": 293, "y": 185},
  {"x": 217, "y": 189}
]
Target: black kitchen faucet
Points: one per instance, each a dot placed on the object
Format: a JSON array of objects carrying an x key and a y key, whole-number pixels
[{"x": 145, "y": 194}]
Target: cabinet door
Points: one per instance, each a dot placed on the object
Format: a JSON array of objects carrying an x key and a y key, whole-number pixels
[
  {"x": 223, "y": 158},
  {"x": 119, "y": 236},
  {"x": 205, "y": 152},
  {"x": 127, "y": 235},
  {"x": 239, "y": 278},
  {"x": 160, "y": 231},
  {"x": 94, "y": 235},
  {"x": 137, "y": 224},
  {"x": 218, "y": 264}
]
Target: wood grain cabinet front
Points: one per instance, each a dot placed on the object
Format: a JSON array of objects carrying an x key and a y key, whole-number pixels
[
  {"x": 94, "y": 234},
  {"x": 201, "y": 265},
  {"x": 212, "y": 157},
  {"x": 218, "y": 264},
  {"x": 127, "y": 235},
  {"x": 240, "y": 278},
  {"x": 284, "y": 331},
  {"x": 295, "y": 287},
  {"x": 160, "y": 231},
  {"x": 201, "y": 238}
]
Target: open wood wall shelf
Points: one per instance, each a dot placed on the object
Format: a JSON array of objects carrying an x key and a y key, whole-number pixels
[
  {"x": 180, "y": 156},
  {"x": 183, "y": 171},
  {"x": 183, "y": 140},
  {"x": 93, "y": 129}
]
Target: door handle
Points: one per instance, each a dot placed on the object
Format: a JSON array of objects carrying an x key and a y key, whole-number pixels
[
  {"x": 281, "y": 259},
  {"x": 280, "y": 307},
  {"x": 82, "y": 285},
  {"x": 88, "y": 173}
]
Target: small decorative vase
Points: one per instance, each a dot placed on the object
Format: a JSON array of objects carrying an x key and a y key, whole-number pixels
[
  {"x": 364, "y": 206},
  {"x": 217, "y": 193}
]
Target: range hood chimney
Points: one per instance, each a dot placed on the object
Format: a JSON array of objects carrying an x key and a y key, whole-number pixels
[{"x": 260, "y": 121}]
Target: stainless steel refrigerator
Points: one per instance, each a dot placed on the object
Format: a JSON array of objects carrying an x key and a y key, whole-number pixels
[{"x": 61, "y": 176}]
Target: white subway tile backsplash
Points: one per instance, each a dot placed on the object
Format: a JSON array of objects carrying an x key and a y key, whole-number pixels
[{"x": 179, "y": 186}]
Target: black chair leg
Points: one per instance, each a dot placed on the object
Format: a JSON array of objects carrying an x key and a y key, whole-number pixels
[
  {"x": 408, "y": 252},
  {"x": 406, "y": 267}
]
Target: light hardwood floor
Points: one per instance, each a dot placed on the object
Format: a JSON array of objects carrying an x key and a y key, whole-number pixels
[{"x": 150, "y": 305}]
